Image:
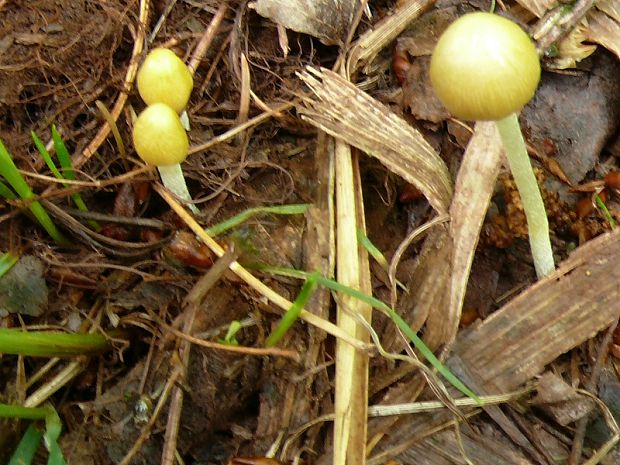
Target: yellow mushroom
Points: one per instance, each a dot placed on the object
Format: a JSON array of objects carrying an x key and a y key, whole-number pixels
[
  {"x": 164, "y": 78},
  {"x": 161, "y": 141},
  {"x": 485, "y": 67}
]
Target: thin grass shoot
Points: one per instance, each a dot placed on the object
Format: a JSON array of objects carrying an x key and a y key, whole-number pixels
[
  {"x": 67, "y": 168},
  {"x": 379, "y": 305},
  {"x": 7, "y": 261},
  {"x": 606, "y": 213},
  {"x": 292, "y": 314},
  {"x": 294, "y": 209},
  {"x": 11, "y": 174}
]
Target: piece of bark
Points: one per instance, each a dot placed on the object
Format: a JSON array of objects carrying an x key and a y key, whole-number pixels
[
  {"x": 556, "y": 314},
  {"x": 560, "y": 401},
  {"x": 514, "y": 344}
]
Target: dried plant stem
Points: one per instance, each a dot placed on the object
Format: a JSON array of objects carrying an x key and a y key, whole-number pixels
[
  {"x": 533, "y": 206},
  {"x": 130, "y": 76},
  {"x": 61, "y": 379},
  {"x": 351, "y": 398},
  {"x": 193, "y": 301},
  {"x": 251, "y": 280},
  {"x": 207, "y": 38}
]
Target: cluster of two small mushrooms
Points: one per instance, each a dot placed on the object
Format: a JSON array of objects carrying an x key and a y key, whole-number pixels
[
  {"x": 165, "y": 84},
  {"x": 485, "y": 67}
]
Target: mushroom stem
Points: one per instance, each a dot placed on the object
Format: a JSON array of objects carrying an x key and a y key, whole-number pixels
[
  {"x": 172, "y": 177},
  {"x": 533, "y": 206}
]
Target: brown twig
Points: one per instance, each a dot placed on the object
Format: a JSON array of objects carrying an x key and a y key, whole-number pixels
[
  {"x": 251, "y": 280},
  {"x": 242, "y": 127},
  {"x": 207, "y": 38},
  {"x": 192, "y": 304},
  {"x": 580, "y": 431},
  {"x": 130, "y": 75}
]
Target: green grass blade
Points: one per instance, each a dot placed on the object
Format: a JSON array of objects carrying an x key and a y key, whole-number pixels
[
  {"x": 6, "y": 192},
  {"x": 402, "y": 324},
  {"x": 24, "y": 413},
  {"x": 55, "y": 457},
  {"x": 27, "y": 447},
  {"x": 365, "y": 242},
  {"x": 53, "y": 428},
  {"x": 38, "y": 143},
  {"x": 600, "y": 204},
  {"x": 44, "y": 220},
  {"x": 63, "y": 155},
  {"x": 67, "y": 172},
  {"x": 51, "y": 344},
  {"x": 292, "y": 314},
  {"x": 7, "y": 261},
  {"x": 29, "y": 444},
  {"x": 294, "y": 209},
  {"x": 11, "y": 174}
]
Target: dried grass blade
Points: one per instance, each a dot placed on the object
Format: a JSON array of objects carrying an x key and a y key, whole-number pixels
[
  {"x": 372, "y": 42},
  {"x": 604, "y": 30},
  {"x": 351, "y": 397},
  {"x": 347, "y": 113}
]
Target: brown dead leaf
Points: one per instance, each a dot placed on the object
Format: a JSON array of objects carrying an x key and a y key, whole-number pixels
[
  {"x": 560, "y": 400},
  {"x": 515, "y": 343},
  {"x": 556, "y": 314},
  {"x": 327, "y": 20}
]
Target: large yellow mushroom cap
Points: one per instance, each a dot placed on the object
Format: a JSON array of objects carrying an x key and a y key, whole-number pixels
[
  {"x": 484, "y": 67},
  {"x": 159, "y": 137},
  {"x": 164, "y": 78}
]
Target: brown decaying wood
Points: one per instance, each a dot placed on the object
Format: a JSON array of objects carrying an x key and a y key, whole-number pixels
[{"x": 553, "y": 316}]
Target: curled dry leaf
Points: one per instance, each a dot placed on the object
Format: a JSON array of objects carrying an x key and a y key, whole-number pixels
[
  {"x": 580, "y": 24},
  {"x": 572, "y": 48},
  {"x": 347, "y": 113},
  {"x": 327, "y": 20},
  {"x": 605, "y": 31}
]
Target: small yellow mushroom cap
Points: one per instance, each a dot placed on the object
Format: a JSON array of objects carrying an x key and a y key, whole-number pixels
[
  {"x": 164, "y": 78},
  {"x": 484, "y": 67},
  {"x": 159, "y": 137}
]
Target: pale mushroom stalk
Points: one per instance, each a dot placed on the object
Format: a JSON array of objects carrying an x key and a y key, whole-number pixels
[
  {"x": 172, "y": 178},
  {"x": 531, "y": 199}
]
